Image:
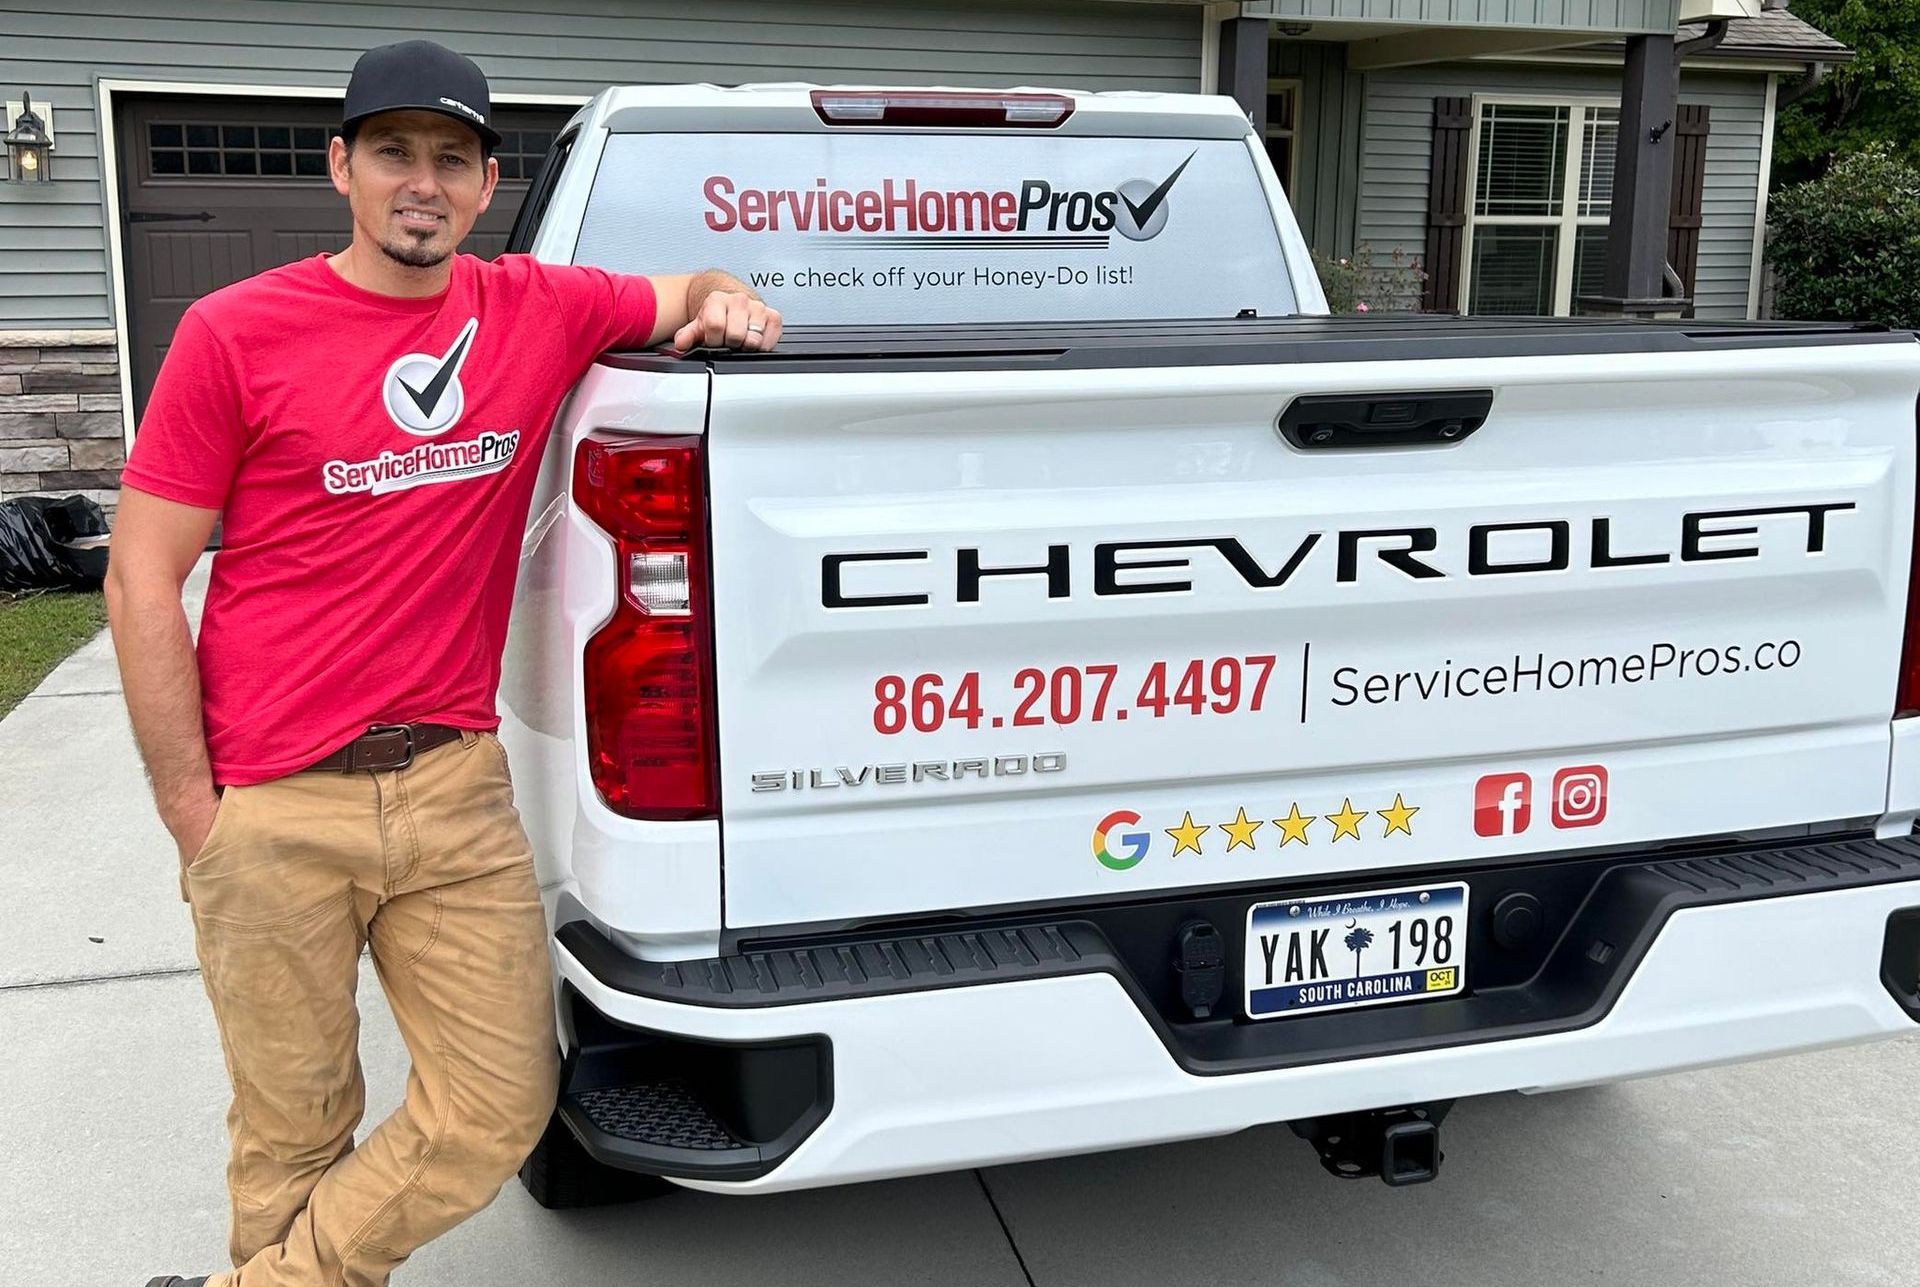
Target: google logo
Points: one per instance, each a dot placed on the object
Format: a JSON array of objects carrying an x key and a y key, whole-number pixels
[{"x": 1132, "y": 844}]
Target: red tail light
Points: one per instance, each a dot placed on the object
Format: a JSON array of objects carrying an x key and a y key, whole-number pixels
[
  {"x": 1907, "y": 700},
  {"x": 649, "y": 670},
  {"x": 936, "y": 108}
]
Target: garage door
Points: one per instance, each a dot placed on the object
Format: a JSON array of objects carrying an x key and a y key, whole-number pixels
[{"x": 217, "y": 191}]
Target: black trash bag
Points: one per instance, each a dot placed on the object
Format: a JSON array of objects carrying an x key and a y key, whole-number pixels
[{"x": 49, "y": 544}]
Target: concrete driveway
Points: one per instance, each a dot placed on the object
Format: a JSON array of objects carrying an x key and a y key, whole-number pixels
[{"x": 1792, "y": 1173}]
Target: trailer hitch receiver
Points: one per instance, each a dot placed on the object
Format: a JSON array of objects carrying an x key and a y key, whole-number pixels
[{"x": 1399, "y": 1145}]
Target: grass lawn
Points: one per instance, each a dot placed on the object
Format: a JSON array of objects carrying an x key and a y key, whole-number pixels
[{"x": 36, "y": 634}]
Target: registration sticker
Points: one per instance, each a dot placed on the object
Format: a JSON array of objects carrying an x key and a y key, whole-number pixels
[{"x": 1350, "y": 950}]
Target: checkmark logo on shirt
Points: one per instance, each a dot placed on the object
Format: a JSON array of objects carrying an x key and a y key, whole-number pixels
[
  {"x": 427, "y": 397},
  {"x": 422, "y": 391},
  {"x": 1144, "y": 210}
]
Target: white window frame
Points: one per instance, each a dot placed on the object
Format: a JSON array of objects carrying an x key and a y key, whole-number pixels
[
  {"x": 1290, "y": 180},
  {"x": 1570, "y": 220}
]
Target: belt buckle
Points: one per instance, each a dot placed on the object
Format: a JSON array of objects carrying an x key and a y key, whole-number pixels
[{"x": 405, "y": 731}]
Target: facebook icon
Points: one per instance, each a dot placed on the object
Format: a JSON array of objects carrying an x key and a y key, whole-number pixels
[{"x": 1502, "y": 804}]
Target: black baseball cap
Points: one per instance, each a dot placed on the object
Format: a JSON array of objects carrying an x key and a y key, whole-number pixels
[{"x": 420, "y": 76}]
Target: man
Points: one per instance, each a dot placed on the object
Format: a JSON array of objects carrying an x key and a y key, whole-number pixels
[{"x": 369, "y": 424}]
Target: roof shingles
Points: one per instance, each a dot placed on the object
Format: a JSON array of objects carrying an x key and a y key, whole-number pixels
[{"x": 1776, "y": 33}]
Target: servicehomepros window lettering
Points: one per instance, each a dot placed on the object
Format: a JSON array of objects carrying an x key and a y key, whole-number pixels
[{"x": 866, "y": 229}]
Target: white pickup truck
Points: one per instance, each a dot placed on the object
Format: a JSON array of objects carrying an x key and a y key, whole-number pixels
[{"x": 1076, "y": 694}]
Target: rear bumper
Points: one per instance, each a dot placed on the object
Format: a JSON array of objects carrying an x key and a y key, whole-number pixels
[{"x": 1066, "y": 1056}]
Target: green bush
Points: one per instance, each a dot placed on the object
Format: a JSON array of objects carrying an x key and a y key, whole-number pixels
[
  {"x": 1846, "y": 247},
  {"x": 1360, "y": 285}
]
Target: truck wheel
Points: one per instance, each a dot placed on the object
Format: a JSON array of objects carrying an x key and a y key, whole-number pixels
[{"x": 560, "y": 1175}]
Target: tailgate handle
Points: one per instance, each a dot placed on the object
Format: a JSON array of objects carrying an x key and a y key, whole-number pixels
[{"x": 1344, "y": 421}]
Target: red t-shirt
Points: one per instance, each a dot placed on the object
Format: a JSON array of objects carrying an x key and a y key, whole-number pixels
[{"x": 374, "y": 459}]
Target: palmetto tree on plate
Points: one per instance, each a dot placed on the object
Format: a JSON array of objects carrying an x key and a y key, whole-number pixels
[{"x": 1357, "y": 942}]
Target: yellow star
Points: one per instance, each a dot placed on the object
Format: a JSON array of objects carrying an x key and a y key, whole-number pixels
[
  {"x": 1399, "y": 818},
  {"x": 1347, "y": 821},
  {"x": 1240, "y": 831},
  {"x": 1186, "y": 836},
  {"x": 1294, "y": 826}
]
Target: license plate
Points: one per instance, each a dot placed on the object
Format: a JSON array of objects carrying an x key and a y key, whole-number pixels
[{"x": 1309, "y": 955}]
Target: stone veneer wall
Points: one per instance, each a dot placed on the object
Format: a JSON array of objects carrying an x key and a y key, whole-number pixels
[{"x": 60, "y": 425}]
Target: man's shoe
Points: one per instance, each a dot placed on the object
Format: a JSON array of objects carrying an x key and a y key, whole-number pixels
[{"x": 175, "y": 1280}]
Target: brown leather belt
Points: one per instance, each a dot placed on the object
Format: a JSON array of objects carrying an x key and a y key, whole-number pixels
[{"x": 384, "y": 747}]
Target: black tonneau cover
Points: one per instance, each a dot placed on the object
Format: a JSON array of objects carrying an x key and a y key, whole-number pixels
[{"x": 1251, "y": 342}]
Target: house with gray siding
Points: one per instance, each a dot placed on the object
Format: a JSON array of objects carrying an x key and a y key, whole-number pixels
[{"x": 1478, "y": 139}]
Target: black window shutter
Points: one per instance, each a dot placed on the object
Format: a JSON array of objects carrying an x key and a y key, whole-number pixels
[
  {"x": 1447, "y": 203},
  {"x": 1689, "y": 191}
]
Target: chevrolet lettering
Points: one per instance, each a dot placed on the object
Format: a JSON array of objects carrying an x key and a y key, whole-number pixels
[{"x": 1417, "y": 553}]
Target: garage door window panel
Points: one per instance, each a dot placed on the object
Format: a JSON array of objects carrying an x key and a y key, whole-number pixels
[
  {"x": 520, "y": 152},
  {"x": 227, "y": 151}
]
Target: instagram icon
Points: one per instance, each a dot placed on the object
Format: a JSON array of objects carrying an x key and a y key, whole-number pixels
[{"x": 1580, "y": 797}]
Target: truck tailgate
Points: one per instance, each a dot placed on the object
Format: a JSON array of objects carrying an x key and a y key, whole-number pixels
[{"x": 1013, "y": 632}]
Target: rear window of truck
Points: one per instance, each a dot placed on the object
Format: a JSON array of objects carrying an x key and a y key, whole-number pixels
[{"x": 885, "y": 229}]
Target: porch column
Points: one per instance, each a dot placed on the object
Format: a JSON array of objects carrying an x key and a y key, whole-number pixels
[
  {"x": 1642, "y": 185},
  {"x": 1243, "y": 67}
]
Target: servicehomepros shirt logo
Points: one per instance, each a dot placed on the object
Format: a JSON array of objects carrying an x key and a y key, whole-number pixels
[
  {"x": 429, "y": 462},
  {"x": 422, "y": 394},
  {"x": 909, "y": 212}
]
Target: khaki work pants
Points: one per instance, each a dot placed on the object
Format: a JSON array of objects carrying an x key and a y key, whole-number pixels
[{"x": 428, "y": 866}]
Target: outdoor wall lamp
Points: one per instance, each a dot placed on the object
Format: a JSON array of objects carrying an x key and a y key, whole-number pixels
[{"x": 29, "y": 146}]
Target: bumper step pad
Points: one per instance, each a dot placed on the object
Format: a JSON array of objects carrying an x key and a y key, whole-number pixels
[
  {"x": 664, "y": 1115},
  {"x": 662, "y": 1103}
]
